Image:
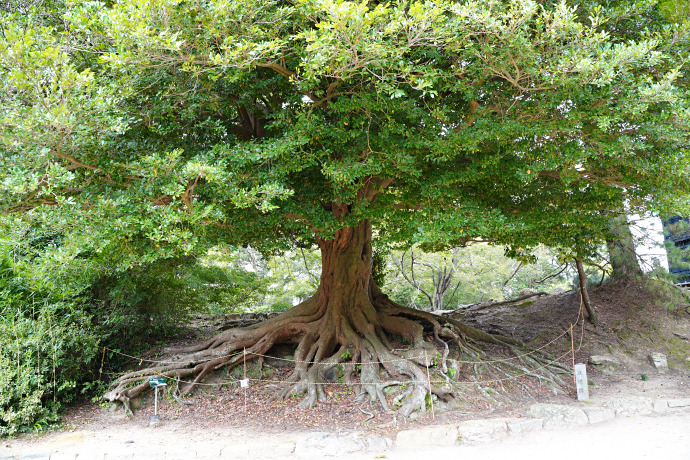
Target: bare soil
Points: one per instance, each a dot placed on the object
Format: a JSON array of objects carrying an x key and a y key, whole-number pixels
[{"x": 635, "y": 319}]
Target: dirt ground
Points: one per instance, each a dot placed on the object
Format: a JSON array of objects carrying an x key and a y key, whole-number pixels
[{"x": 634, "y": 321}]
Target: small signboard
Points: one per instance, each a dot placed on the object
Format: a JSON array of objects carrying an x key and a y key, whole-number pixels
[
  {"x": 581, "y": 382},
  {"x": 155, "y": 382},
  {"x": 244, "y": 383}
]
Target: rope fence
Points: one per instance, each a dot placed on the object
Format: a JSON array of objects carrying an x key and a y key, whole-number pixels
[
  {"x": 429, "y": 381},
  {"x": 382, "y": 384}
]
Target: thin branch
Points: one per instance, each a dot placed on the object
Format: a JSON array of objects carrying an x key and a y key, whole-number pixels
[{"x": 511, "y": 276}]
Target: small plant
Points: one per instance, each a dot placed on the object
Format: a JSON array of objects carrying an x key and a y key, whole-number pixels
[
  {"x": 451, "y": 372},
  {"x": 346, "y": 355},
  {"x": 644, "y": 377}
]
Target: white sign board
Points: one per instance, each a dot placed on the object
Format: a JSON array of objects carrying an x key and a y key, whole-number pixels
[{"x": 581, "y": 382}]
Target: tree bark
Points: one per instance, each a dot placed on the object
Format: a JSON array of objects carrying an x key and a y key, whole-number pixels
[{"x": 591, "y": 313}]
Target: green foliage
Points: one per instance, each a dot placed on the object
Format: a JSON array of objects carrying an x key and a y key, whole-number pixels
[
  {"x": 47, "y": 348},
  {"x": 146, "y": 131}
]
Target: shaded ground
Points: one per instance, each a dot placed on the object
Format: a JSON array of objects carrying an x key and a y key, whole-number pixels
[{"x": 634, "y": 321}]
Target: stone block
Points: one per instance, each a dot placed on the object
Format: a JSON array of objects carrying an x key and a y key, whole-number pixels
[
  {"x": 659, "y": 361},
  {"x": 476, "y": 431},
  {"x": 118, "y": 456},
  {"x": 235, "y": 451},
  {"x": 328, "y": 444},
  {"x": 660, "y": 405},
  {"x": 37, "y": 456},
  {"x": 558, "y": 416},
  {"x": 598, "y": 414},
  {"x": 604, "y": 363},
  {"x": 679, "y": 403},
  {"x": 434, "y": 436},
  {"x": 146, "y": 455},
  {"x": 377, "y": 444},
  {"x": 520, "y": 426},
  {"x": 633, "y": 405}
]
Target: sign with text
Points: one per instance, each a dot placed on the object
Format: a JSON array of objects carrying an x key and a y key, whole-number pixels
[
  {"x": 581, "y": 382},
  {"x": 157, "y": 382}
]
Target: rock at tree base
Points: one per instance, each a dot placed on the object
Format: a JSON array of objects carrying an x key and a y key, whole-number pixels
[
  {"x": 558, "y": 416},
  {"x": 604, "y": 363},
  {"x": 659, "y": 361}
]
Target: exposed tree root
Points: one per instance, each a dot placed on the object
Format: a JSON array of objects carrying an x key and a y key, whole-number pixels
[
  {"x": 359, "y": 343},
  {"x": 349, "y": 324}
]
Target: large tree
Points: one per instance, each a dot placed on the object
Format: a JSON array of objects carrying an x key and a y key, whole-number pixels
[{"x": 146, "y": 129}]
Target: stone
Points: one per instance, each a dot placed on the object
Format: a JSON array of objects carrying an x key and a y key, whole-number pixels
[
  {"x": 476, "y": 431},
  {"x": 433, "y": 436},
  {"x": 144, "y": 455},
  {"x": 558, "y": 291},
  {"x": 235, "y": 451},
  {"x": 518, "y": 427},
  {"x": 599, "y": 414},
  {"x": 377, "y": 444},
  {"x": 119, "y": 456},
  {"x": 320, "y": 444},
  {"x": 63, "y": 456},
  {"x": 37, "y": 456},
  {"x": 604, "y": 363},
  {"x": 659, "y": 406},
  {"x": 679, "y": 403},
  {"x": 659, "y": 361},
  {"x": 558, "y": 416},
  {"x": 632, "y": 405}
]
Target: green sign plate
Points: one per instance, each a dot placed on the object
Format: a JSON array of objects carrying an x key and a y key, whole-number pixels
[{"x": 157, "y": 382}]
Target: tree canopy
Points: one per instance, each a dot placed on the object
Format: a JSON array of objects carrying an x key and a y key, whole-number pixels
[{"x": 158, "y": 126}]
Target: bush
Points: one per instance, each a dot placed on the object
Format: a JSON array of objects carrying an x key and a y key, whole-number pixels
[{"x": 46, "y": 348}]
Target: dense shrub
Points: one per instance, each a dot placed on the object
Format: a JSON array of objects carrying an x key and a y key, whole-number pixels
[{"x": 47, "y": 346}]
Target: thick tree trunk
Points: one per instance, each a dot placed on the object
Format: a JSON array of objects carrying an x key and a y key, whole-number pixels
[{"x": 621, "y": 249}]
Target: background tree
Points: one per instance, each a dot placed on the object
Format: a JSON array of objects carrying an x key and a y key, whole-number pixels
[{"x": 152, "y": 130}]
